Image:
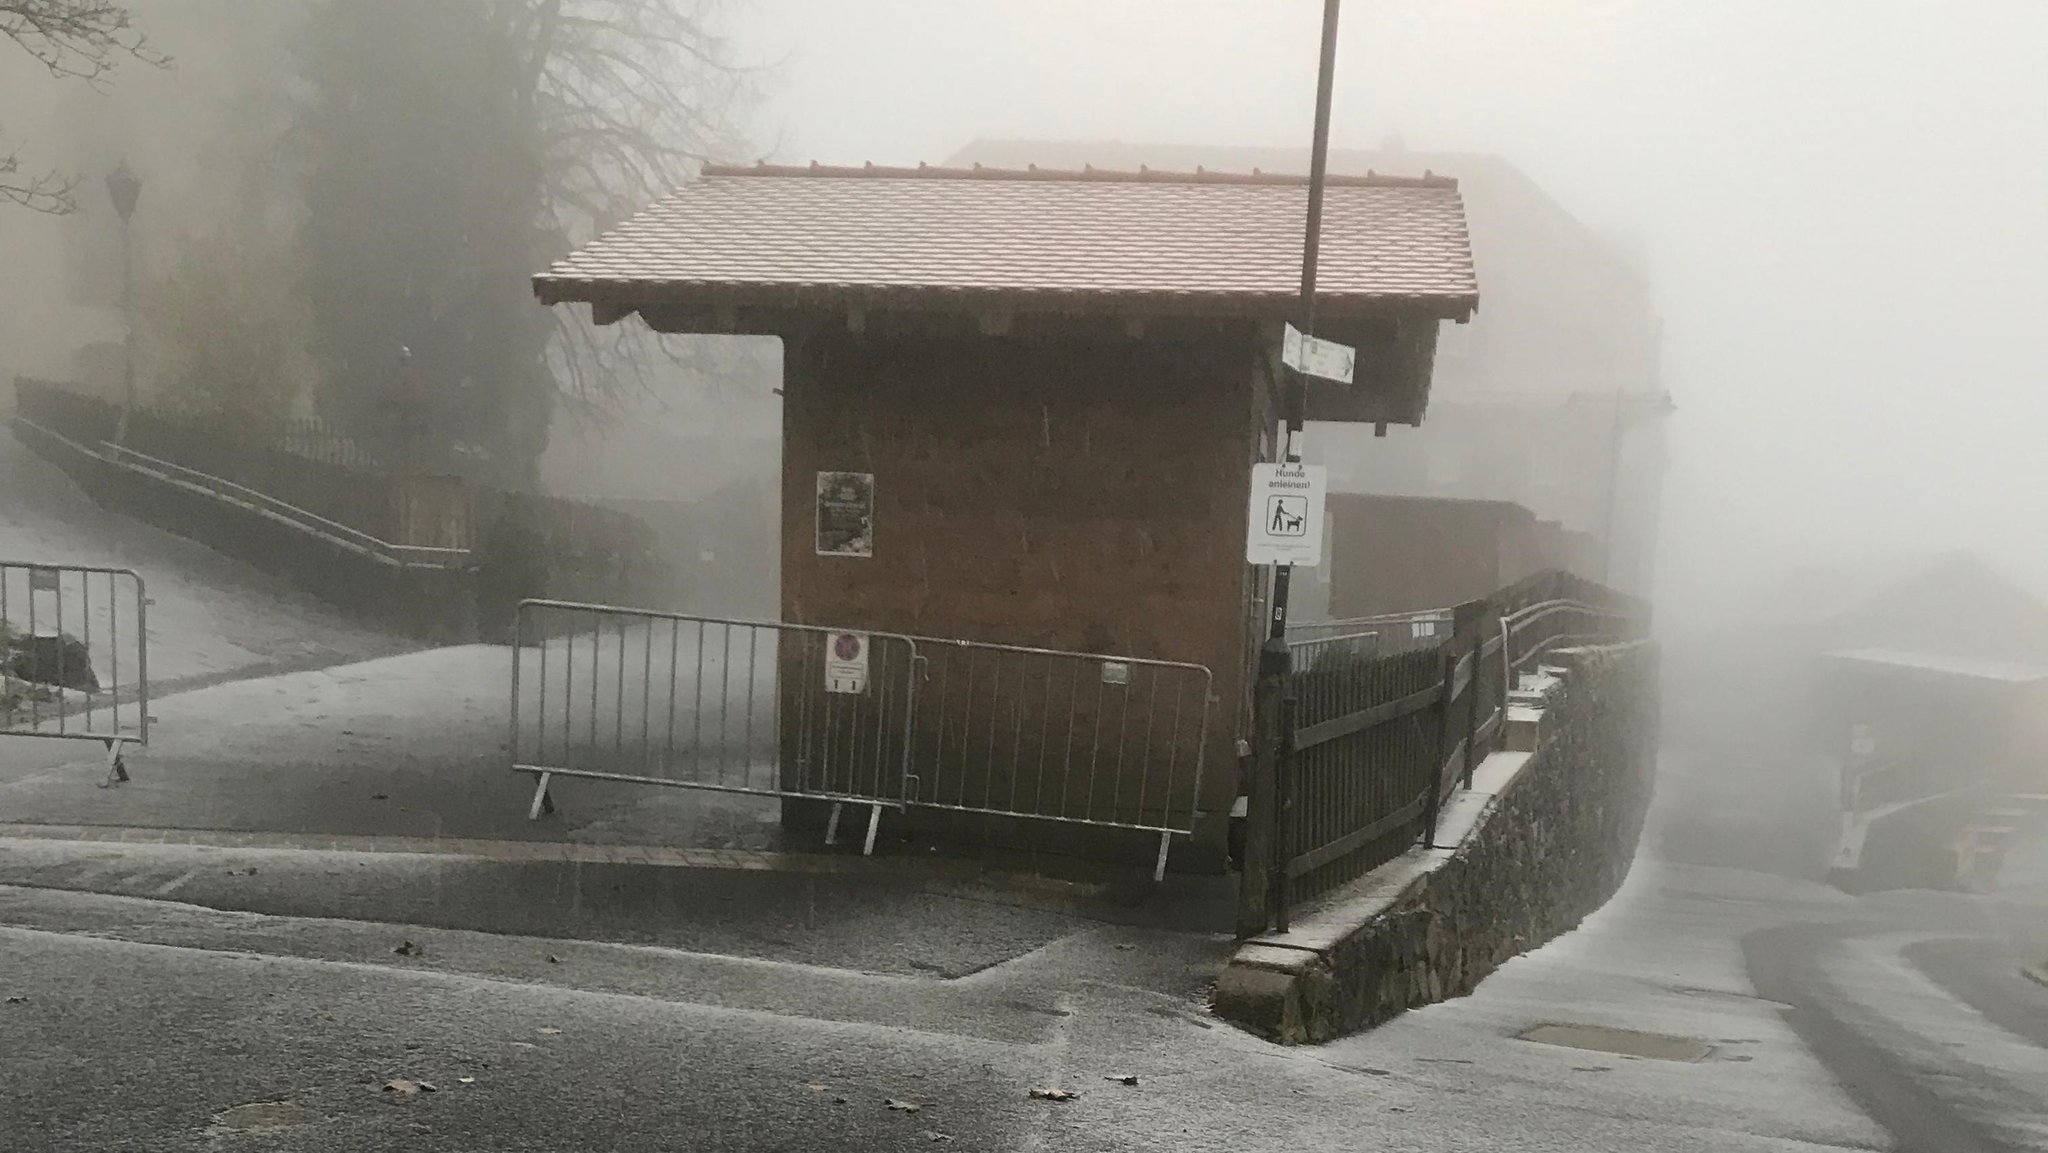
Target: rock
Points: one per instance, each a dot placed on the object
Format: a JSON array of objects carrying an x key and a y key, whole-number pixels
[{"x": 58, "y": 660}]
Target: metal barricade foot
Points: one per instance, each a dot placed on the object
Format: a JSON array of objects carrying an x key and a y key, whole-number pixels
[
  {"x": 543, "y": 803},
  {"x": 832, "y": 826},
  {"x": 874, "y": 826},
  {"x": 117, "y": 769},
  {"x": 1159, "y": 867}
]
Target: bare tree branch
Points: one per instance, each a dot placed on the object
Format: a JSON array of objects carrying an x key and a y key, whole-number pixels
[
  {"x": 76, "y": 39},
  {"x": 51, "y": 192},
  {"x": 84, "y": 39}
]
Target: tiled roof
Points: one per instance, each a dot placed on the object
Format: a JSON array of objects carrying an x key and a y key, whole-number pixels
[{"x": 1188, "y": 243}]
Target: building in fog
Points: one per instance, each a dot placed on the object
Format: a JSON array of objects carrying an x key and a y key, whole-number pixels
[
  {"x": 1022, "y": 408},
  {"x": 1548, "y": 398}
]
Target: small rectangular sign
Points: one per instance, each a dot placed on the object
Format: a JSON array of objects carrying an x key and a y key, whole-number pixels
[
  {"x": 846, "y": 514},
  {"x": 1284, "y": 523},
  {"x": 42, "y": 580},
  {"x": 846, "y": 663},
  {"x": 1312, "y": 357}
]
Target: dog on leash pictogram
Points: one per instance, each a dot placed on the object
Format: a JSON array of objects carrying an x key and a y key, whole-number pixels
[{"x": 1287, "y": 516}]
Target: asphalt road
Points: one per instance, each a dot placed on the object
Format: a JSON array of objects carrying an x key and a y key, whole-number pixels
[{"x": 1829, "y": 1022}]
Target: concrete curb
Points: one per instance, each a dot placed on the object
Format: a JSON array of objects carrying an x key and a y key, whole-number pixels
[
  {"x": 557, "y": 852},
  {"x": 1284, "y": 987}
]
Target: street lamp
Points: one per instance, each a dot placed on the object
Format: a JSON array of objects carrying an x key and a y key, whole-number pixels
[{"x": 124, "y": 188}]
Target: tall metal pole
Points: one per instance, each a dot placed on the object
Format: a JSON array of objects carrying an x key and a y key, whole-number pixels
[
  {"x": 128, "y": 312},
  {"x": 124, "y": 188},
  {"x": 1268, "y": 848},
  {"x": 1295, "y": 386}
]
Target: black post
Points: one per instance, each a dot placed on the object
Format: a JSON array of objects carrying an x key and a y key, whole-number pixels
[
  {"x": 1266, "y": 846},
  {"x": 1434, "y": 810},
  {"x": 128, "y": 315},
  {"x": 124, "y": 188},
  {"x": 1472, "y": 704}
]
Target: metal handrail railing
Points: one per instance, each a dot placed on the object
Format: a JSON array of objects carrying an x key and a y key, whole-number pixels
[{"x": 402, "y": 555}]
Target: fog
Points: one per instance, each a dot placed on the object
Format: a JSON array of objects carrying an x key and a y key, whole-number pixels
[{"x": 1838, "y": 205}]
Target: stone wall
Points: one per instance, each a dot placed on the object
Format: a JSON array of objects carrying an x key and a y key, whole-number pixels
[{"x": 1540, "y": 842}]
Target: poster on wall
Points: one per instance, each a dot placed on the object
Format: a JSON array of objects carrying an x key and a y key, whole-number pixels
[{"x": 846, "y": 514}]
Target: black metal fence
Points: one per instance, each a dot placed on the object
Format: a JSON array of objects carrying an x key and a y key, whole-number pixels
[{"x": 1372, "y": 744}]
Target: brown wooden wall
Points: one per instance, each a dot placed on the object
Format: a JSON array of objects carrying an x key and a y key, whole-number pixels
[{"x": 1083, "y": 495}]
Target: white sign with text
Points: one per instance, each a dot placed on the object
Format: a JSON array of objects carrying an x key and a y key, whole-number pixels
[{"x": 1285, "y": 518}]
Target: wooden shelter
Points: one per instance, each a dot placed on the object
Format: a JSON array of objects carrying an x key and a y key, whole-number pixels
[{"x": 1022, "y": 406}]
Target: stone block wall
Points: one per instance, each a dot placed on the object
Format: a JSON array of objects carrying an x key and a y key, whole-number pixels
[{"x": 1550, "y": 847}]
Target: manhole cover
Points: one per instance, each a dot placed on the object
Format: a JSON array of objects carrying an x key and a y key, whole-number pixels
[
  {"x": 1625, "y": 1042},
  {"x": 264, "y": 1115}
]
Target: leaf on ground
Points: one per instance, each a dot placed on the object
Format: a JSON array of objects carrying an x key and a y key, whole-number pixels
[
  {"x": 408, "y": 949},
  {"x": 935, "y": 1135},
  {"x": 465, "y": 1080},
  {"x": 1125, "y": 945},
  {"x": 407, "y": 1088},
  {"x": 548, "y": 1031},
  {"x": 1053, "y": 1094},
  {"x": 18, "y": 999},
  {"x": 524, "y": 1045},
  {"x": 1123, "y": 1078},
  {"x": 903, "y": 1106},
  {"x": 554, "y": 960},
  {"x": 817, "y": 1088}
]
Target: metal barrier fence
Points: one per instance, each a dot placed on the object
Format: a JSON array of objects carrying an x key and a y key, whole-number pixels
[
  {"x": 1386, "y": 633},
  {"x": 1527, "y": 633},
  {"x": 1046, "y": 734},
  {"x": 753, "y": 707},
  {"x": 74, "y": 656}
]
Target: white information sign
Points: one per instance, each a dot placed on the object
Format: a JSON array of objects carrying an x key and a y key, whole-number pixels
[
  {"x": 1285, "y": 521},
  {"x": 846, "y": 663},
  {"x": 1312, "y": 357}
]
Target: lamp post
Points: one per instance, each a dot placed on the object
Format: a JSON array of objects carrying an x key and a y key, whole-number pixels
[{"x": 124, "y": 188}]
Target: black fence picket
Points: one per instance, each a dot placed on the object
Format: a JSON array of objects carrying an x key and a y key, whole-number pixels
[{"x": 1382, "y": 739}]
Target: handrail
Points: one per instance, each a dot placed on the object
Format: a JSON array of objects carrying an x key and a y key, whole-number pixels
[
  {"x": 403, "y": 555},
  {"x": 1351, "y": 628}
]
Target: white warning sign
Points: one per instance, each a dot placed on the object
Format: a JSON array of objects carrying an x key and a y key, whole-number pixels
[{"x": 846, "y": 663}]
